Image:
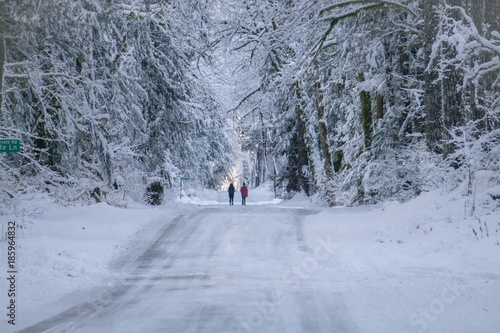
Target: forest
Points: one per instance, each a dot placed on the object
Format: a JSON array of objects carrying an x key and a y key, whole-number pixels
[{"x": 352, "y": 101}]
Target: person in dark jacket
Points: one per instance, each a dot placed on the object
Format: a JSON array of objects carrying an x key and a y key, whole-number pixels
[
  {"x": 231, "y": 191},
  {"x": 244, "y": 194}
]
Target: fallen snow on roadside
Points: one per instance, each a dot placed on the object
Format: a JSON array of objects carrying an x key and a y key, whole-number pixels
[
  {"x": 62, "y": 250},
  {"x": 422, "y": 266}
]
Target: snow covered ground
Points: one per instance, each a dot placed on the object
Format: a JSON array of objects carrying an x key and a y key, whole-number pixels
[{"x": 422, "y": 266}]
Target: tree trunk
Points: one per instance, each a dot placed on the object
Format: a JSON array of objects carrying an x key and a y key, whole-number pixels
[
  {"x": 491, "y": 12},
  {"x": 303, "y": 156},
  {"x": 263, "y": 134},
  {"x": 476, "y": 9},
  {"x": 328, "y": 194},
  {"x": 338, "y": 157},
  {"x": 323, "y": 131},
  {"x": 261, "y": 167},
  {"x": 366, "y": 114},
  {"x": 492, "y": 15},
  {"x": 258, "y": 162},
  {"x": 379, "y": 110},
  {"x": 366, "y": 117},
  {"x": 432, "y": 89},
  {"x": 452, "y": 98},
  {"x": 453, "y": 105},
  {"x": 275, "y": 177},
  {"x": 298, "y": 156}
]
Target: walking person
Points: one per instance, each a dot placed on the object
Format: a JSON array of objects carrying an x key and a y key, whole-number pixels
[
  {"x": 231, "y": 191},
  {"x": 244, "y": 194}
]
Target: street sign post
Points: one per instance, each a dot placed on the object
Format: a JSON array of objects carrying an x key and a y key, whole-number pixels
[
  {"x": 10, "y": 145},
  {"x": 183, "y": 179}
]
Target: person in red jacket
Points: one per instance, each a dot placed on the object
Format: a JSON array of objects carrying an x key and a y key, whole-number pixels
[{"x": 244, "y": 194}]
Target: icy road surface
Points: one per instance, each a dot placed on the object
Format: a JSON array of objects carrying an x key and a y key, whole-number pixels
[{"x": 221, "y": 269}]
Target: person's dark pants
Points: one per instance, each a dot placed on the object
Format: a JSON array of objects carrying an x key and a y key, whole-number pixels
[
  {"x": 244, "y": 201},
  {"x": 231, "y": 199}
]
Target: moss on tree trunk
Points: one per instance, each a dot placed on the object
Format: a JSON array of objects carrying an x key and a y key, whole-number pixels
[{"x": 366, "y": 117}]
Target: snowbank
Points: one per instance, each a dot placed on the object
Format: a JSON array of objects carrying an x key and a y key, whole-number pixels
[
  {"x": 64, "y": 250},
  {"x": 425, "y": 262}
]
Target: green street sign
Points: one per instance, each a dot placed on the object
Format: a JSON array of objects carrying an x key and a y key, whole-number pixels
[
  {"x": 10, "y": 145},
  {"x": 184, "y": 178}
]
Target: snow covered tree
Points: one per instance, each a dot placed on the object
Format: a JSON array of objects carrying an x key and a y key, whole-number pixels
[
  {"x": 100, "y": 91},
  {"x": 355, "y": 100},
  {"x": 475, "y": 139},
  {"x": 357, "y": 85}
]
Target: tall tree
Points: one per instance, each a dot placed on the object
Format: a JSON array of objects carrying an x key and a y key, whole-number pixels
[
  {"x": 433, "y": 90},
  {"x": 100, "y": 90}
]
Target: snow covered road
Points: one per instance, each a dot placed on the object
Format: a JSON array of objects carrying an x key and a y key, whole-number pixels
[
  {"x": 418, "y": 267},
  {"x": 220, "y": 269}
]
